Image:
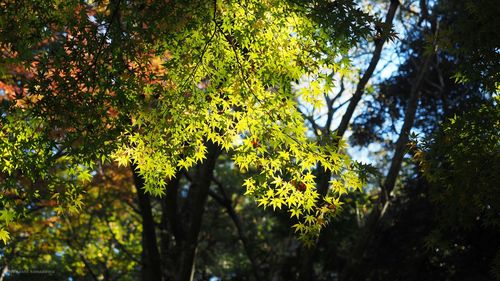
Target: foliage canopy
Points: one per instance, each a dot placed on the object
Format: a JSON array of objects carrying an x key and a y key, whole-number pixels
[{"x": 96, "y": 81}]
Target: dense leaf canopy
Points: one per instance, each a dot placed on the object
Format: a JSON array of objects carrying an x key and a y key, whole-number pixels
[{"x": 97, "y": 81}]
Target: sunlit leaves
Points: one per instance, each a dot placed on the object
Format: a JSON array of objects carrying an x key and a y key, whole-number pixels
[
  {"x": 233, "y": 77},
  {"x": 230, "y": 83},
  {"x": 4, "y": 235}
]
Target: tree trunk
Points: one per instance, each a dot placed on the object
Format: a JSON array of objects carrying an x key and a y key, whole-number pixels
[
  {"x": 170, "y": 225},
  {"x": 351, "y": 271},
  {"x": 150, "y": 256},
  {"x": 404, "y": 135},
  {"x": 195, "y": 206},
  {"x": 323, "y": 177}
]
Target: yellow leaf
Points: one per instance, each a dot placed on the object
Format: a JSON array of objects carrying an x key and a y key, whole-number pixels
[{"x": 4, "y": 235}]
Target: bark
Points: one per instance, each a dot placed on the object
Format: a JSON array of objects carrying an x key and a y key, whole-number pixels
[
  {"x": 195, "y": 206},
  {"x": 150, "y": 256}
]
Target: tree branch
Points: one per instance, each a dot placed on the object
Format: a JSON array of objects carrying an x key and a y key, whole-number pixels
[{"x": 379, "y": 44}]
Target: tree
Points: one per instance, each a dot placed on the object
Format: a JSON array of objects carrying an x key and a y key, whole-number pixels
[
  {"x": 114, "y": 80},
  {"x": 441, "y": 97},
  {"x": 100, "y": 242}
]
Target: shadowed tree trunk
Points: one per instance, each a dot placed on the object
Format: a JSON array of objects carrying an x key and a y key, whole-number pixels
[
  {"x": 150, "y": 256},
  {"x": 404, "y": 135},
  {"x": 170, "y": 226},
  {"x": 351, "y": 271},
  {"x": 193, "y": 213},
  {"x": 323, "y": 177}
]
